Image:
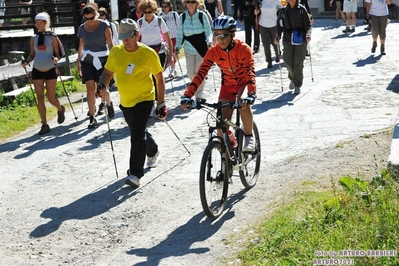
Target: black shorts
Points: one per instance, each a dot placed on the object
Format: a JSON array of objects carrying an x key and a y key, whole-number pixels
[
  {"x": 46, "y": 75},
  {"x": 89, "y": 72}
]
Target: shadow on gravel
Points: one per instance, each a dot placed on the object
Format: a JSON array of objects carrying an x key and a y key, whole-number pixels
[
  {"x": 179, "y": 242},
  {"x": 394, "y": 85},
  {"x": 48, "y": 141},
  {"x": 284, "y": 99},
  {"x": 93, "y": 204},
  {"x": 367, "y": 61}
]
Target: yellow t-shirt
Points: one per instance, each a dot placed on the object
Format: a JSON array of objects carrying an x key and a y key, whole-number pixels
[{"x": 133, "y": 71}]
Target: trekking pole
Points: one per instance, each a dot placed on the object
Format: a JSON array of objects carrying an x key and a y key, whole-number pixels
[
  {"x": 310, "y": 57},
  {"x": 66, "y": 92},
  {"x": 181, "y": 70},
  {"x": 279, "y": 66},
  {"x": 30, "y": 83},
  {"x": 110, "y": 139},
  {"x": 176, "y": 136}
]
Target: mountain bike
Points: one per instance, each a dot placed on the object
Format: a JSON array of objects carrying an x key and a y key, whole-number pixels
[{"x": 220, "y": 158}]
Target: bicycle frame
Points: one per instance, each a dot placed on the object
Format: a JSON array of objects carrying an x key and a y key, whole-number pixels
[{"x": 227, "y": 148}]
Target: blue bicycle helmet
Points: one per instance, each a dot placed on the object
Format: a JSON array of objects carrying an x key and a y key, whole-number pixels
[{"x": 224, "y": 23}]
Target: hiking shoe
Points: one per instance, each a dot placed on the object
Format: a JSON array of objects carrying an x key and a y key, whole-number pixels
[
  {"x": 100, "y": 108},
  {"x": 93, "y": 123},
  {"x": 110, "y": 110},
  {"x": 351, "y": 30},
  {"x": 152, "y": 161},
  {"x": 45, "y": 129},
  {"x": 383, "y": 49},
  {"x": 297, "y": 90},
  {"x": 61, "y": 115},
  {"x": 292, "y": 85},
  {"x": 347, "y": 30},
  {"x": 249, "y": 144},
  {"x": 374, "y": 47},
  {"x": 132, "y": 181}
]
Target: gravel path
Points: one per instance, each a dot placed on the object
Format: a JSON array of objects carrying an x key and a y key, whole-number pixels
[{"x": 61, "y": 202}]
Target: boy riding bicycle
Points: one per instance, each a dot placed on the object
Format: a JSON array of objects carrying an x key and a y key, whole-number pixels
[{"x": 236, "y": 63}]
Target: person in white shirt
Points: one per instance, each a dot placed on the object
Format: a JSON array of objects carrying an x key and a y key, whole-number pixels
[
  {"x": 172, "y": 21},
  {"x": 378, "y": 11},
  {"x": 267, "y": 27}
]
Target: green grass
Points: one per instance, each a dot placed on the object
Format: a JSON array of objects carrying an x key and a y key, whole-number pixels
[
  {"x": 16, "y": 115},
  {"x": 360, "y": 216}
]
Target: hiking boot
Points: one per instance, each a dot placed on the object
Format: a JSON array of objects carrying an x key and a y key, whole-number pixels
[
  {"x": 292, "y": 85},
  {"x": 61, "y": 115},
  {"x": 249, "y": 144},
  {"x": 383, "y": 49},
  {"x": 297, "y": 90},
  {"x": 93, "y": 123},
  {"x": 152, "y": 161},
  {"x": 133, "y": 181},
  {"x": 110, "y": 110},
  {"x": 45, "y": 129},
  {"x": 374, "y": 47},
  {"x": 347, "y": 30},
  {"x": 100, "y": 108}
]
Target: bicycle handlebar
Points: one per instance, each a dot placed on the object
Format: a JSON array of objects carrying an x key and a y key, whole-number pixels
[{"x": 199, "y": 104}]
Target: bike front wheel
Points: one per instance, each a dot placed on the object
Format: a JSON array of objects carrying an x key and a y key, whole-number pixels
[
  {"x": 250, "y": 162},
  {"x": 213, "y": 181}
]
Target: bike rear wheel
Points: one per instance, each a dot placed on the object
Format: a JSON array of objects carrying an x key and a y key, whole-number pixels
[
  {"x": 213, "y": 182},
  {"x": 393, "y": 13},
  {"x": 249, "y": 169}
]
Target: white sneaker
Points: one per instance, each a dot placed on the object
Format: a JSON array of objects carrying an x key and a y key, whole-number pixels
[
  {"x": 133, "y": 181},
  {"x": 152, "y": 161},
  {"x": 249, "y": 144}
]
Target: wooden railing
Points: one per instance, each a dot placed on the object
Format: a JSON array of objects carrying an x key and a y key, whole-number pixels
[{"x": 63, "y": 14}]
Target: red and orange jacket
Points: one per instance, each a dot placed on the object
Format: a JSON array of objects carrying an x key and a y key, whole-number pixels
[{"x": 236, "y": 65}]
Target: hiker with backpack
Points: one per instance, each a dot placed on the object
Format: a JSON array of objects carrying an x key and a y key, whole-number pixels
[
  {"x": 172, "y": 19},
  {"x": 294, "y": 23},
  {"x": 95, "y": 41},
  {"x": 194, "y": 34},
  {"x": 45, "y": 51},
  {"x": 154, "y": 31}
]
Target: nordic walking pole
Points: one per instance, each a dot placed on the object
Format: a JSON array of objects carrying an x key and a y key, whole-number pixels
[
  {"x": 181, "y": 70},
  {"x": 176, "y": 136},
  {"x": 110, "y": 139},
  {"x": 279, "y": 66},
  {"x": 66, "y": 92},
  {"x": 310, "y": 57},
  {"x": 30, "y": 83}
]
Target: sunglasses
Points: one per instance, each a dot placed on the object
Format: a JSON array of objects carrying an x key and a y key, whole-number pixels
[
  {"x": 148, "y": 12},
  {"x": 191, "y": 2},
  {"x": 221, "y": 36},
  {"x": 86, "y": 18}
]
